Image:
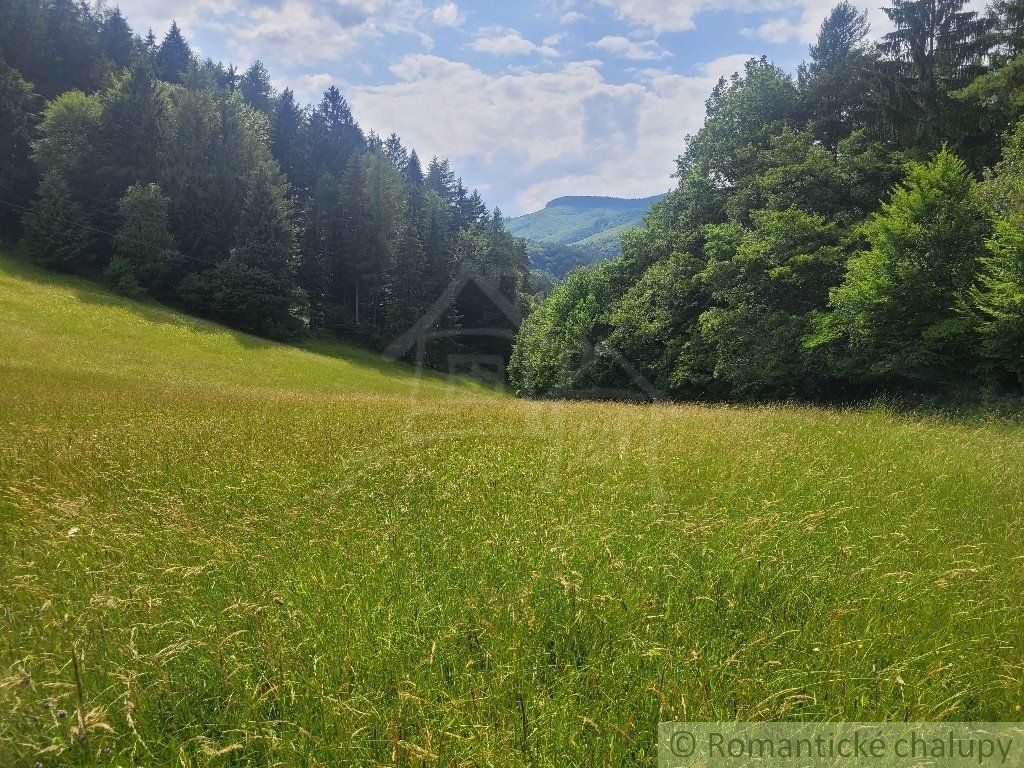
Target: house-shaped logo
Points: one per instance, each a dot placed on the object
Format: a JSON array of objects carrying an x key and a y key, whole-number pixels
[{"x": 414, "y": 344}]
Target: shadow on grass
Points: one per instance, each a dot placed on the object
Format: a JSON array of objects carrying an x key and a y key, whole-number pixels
[{"x": 150, "y": 311}]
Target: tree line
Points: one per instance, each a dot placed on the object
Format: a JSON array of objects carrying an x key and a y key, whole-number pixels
[
  {"x": 853, "y": 230},
  {"x": 129, "y": 160}
]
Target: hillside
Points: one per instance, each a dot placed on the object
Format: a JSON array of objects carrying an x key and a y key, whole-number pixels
[
  {"x": 264, "y": 555},
  {"x": 56, "y": 329},
  {"x": 571, "y": 231}
]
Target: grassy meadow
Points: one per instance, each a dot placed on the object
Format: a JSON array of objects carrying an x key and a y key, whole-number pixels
[{"x": 265, "y": 555}]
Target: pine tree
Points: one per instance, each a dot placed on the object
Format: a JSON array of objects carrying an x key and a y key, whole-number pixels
[
  {"x": 146, "y": 255},
  {"x": 833, "y": 83},
  {"x": 117, "y": 39},
  {"x": 1008, "y": 21},
  {"x": 396, "y": 153},
  {"x": 18, "y": 105},
  {"x": 936, "y": 48},
  {"x": 256, "y": 89},
  {"x": 335, "y": 136},
  {"x": 57, "y": 229},
  {"x": 288, "y": 142},
  {"x": 414, "y": 170},
  {"x": 174, "y": 57}
]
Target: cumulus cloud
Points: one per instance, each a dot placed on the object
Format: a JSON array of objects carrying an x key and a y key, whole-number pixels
[
  {"x": 544, "y": 134},
  {"x": 448, "y": 15},
  {"x": 296, "y": 31},
  {"x": 796, "y": 21},
  {"x": 510, "y": 42},
  {"x": 623, "y": 47}
]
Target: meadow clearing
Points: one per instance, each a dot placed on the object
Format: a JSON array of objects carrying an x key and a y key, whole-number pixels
[{"x": 265, "y": 555}]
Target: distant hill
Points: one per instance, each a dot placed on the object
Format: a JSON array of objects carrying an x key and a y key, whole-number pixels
[{"x": 571, "y": 231}]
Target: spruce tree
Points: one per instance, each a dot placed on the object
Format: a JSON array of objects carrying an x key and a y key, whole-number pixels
[
  {"x": 18, "y": 105},
  {"x": 117, "y": 39},
  {"x": 174, "y": 57},
  {"x": 334, "y": 133},
  {"x": 900, "y": 307},
  {"x": 256, "y": 89},
  {"x": 1008, "y": 20},
  {"x": 834, "y": 81},
  {"x": 289, "y": 143},
  {"x": 57, "y": 230},
  {"x": 936, "y": 48},
  {"x": 414, "y": 170},
  {"x": 145, "y": 252}
]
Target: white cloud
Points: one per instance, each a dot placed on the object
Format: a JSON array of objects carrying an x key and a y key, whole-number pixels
[
  {"x": 658, "y": 15},
  {"x": 623, "y": 47},
  {"x": 544, "y": 134},
  {"x": 293, "y": 31},
  {"x": 571, "y": 17},
  {"x": 448, "y": 15},
  {"x": 510, "y": 42}
]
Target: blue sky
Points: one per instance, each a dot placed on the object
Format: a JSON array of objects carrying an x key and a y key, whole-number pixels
[{"x": 530, "y": 99}]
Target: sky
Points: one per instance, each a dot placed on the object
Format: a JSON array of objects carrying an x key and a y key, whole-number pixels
[{"x": 529, "y": 99}]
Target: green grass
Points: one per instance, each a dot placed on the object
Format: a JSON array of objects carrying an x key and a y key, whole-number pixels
[{"x": 264, "y": 555}]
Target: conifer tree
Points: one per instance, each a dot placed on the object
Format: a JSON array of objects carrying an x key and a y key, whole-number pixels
[
  {"x": 57, "y": 230},
  {"x": 117, "y": 39},
  {"x": 174, "y": 57},
  {"x": 256, "y": 89},
  {"x": 335, "y": 136},
  {"x": 289, "y": 143},
  {"x": 936, "y": 48},
  {"x": 834, "y": 81},
  {"x": 414, "y": 170},
  {"x": 1008, "y": 21},
  {"x": 146, "y": 257},
  {"x": 18, "y": 105}
]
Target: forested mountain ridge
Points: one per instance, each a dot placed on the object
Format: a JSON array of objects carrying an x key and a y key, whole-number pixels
[
  {"x": 129, "y": 160},
  {"x": 855, "y": 229},
  {"x": 578, "y": 230}
]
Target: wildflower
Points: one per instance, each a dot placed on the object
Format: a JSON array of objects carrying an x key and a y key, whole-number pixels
[
  {"x": 72, "y": 532},
  {"x": 61, "y": 714}
]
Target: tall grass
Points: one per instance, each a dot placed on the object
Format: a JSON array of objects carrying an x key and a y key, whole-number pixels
[{"x": 258, "y": 555}]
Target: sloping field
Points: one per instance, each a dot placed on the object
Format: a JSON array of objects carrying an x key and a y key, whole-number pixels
[{"x": 261, "y": 555}]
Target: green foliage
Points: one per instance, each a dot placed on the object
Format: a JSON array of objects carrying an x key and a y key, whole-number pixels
[
  {"x": 174, "y": 58},
  {"x": 767, "y": 287},
  {"x": 57, "y": 229},
  {"x": 770, "y": 271},
  {"x": 67, "y": 142},
  {"x": 999, "y": 298},
  {"x": 18, "y": 107},
  {"x": 147, "y": 257},
  {"x": 834, "y": 81},
  {"x": 901, "y": 306},
  {"x": 1003, "y": 188}
]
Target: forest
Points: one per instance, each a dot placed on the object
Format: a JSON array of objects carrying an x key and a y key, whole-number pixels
[
  {"x": 852, "y": 231},
  {"x": 129, "y": 160}
]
